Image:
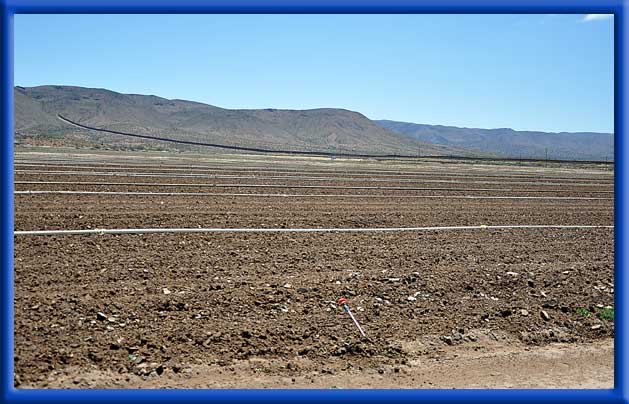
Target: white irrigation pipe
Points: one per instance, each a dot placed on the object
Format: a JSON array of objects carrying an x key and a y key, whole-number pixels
[
  {"x": 376, "y": 173},
  {"x": 340, "y": 179},
  {"x": 287, "y": 186},
  {"x": 313, "y": 230},
  {"x": 116, "y": 174},
  {"x": 44, "y": 192},
  {"x": 205, "y": 169}
]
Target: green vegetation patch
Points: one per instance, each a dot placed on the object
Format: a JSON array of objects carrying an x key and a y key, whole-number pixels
[{"x": 606, "y": 313}]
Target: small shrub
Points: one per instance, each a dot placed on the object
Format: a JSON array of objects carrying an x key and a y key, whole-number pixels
[{"x": 583, "y": 312}]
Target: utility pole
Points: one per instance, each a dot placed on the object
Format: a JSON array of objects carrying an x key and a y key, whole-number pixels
[{"x": 546, "y": 150}]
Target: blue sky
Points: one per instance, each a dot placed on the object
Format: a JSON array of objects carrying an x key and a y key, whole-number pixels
[{"x": 527, "y": 72}]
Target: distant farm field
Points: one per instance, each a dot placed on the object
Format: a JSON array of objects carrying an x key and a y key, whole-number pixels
[{"x": 456, "y": 302}]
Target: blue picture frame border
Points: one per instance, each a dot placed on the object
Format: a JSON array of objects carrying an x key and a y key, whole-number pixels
[{"x": 8, "y": 8}]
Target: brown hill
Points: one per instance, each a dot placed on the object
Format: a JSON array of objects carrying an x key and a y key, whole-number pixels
[{"x": 326, "y": 129}]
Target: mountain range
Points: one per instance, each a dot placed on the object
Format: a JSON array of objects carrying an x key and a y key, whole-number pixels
[
  {"x": 511, "y": 143},
  {"x": 330, "y": 130}
]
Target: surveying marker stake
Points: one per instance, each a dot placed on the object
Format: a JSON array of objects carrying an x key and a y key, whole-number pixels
[{"x": 344, "y": 304}]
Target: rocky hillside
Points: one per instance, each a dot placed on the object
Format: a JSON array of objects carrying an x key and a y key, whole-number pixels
[{"x": 326, "y": 129}]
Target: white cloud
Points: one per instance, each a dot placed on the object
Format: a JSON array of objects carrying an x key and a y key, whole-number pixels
[{"x": 593, "y": 17}]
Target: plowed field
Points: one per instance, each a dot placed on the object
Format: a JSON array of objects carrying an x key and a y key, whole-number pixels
[{"x": 259, "y": 309}]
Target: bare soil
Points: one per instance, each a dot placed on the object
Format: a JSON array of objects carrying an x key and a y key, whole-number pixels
[{"x": 481, "y": 308}]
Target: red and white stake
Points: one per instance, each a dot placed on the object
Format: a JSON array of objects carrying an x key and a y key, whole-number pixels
[{"x": 344, "y": 304}]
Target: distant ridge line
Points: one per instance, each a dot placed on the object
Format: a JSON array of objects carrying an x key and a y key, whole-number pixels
[{"x": 314, "y": 153}]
